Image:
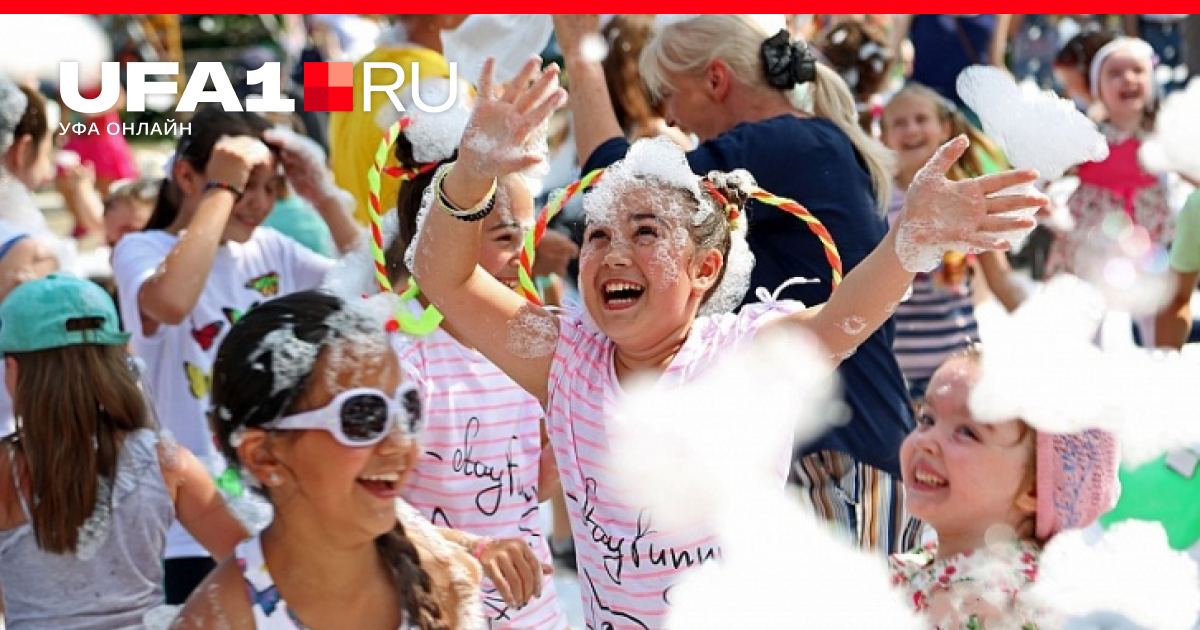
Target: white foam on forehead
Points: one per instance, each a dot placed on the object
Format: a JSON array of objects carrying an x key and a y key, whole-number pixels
[
  {"x": 657, "y": 160},
  {"x": 1036, "y": 129},
  {"x": 292, "y": 358}
]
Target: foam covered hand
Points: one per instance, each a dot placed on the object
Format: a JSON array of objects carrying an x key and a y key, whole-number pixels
[
  {"x": 942, "y": 215},
  {"x": 234, "y": 157},
  {"x": 304, "y": 164},
  {"x": 501, "y": 137}
]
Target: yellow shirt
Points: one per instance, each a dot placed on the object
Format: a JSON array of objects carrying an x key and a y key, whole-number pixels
[{"x": 354, "y": 135}]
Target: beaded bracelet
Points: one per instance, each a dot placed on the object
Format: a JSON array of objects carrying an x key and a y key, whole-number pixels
[
  {"x": 474, "y": 213},
  {"x": 237, "y": 193}
]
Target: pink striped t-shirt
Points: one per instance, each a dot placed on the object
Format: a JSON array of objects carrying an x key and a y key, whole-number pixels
[
  {"x": 626, "y": 567},
  {"x": 478, "y": 467}
]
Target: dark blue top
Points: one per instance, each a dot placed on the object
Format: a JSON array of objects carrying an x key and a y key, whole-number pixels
[
  {"x": 813, "y": 162},
  {"x": 943, "y": 45}
]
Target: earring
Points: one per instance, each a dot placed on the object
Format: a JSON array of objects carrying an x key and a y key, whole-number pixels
[{"x": 273, "y": 479}]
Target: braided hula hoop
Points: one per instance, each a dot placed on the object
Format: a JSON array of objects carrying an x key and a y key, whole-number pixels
[
  {"x": 404, "y": 321},
  {"x": 528, "y": 252}
]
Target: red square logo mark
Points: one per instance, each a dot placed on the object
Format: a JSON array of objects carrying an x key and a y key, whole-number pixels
[{"x": 329, "y": 86}]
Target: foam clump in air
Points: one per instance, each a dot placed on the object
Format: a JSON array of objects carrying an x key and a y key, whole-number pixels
[
  {"x": 1172, "y": 145},
  {"x": 1043, "y": 364},
  {"x": 1128, "y": 579},
  {"x": 1027, "y": 354},
  {"x": 1035, "y": 129},
  {"x": 676, "y": 448},
  {"x": 510, "y": 39},
  {"x": 30, "y": 52},
  {"x": 676, "y": 451}
]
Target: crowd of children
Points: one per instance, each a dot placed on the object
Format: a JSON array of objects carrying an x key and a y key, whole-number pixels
[{"x": 246, "y": 432}]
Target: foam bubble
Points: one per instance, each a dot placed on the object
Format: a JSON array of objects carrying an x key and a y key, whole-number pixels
[
  {"x": 1172, "y": 146},
  {"x": 532, "y": 333},
  {"x": 1036, "y": 129},
  {"x": 1128, "y": 579}
]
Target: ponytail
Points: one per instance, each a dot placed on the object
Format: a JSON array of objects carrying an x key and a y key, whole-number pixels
[
  {"x": 421, "y": 608},
  {"x": 831, "y": 99}
]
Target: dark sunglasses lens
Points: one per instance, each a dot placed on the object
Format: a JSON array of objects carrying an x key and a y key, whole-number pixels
[{"x": 364, "y": 417}]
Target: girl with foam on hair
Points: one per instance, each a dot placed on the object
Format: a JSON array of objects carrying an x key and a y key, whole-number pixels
[
  {"x": 1121, "y": 77},
  {"x": 661, "y": 245},
  {"x": 760, "y": 101},
  {"x": 88, "y": 486},
  {"x": 309, "y": 404},
  {"x": 484, "y": 467},
  {"x": 203, "y": 261},
  {"x": 996, "y": 493}
]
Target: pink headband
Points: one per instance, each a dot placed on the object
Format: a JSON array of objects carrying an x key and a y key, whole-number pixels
[
  {"x": 1136, "y": 46},
  {"x": 1076, "y": 479}
]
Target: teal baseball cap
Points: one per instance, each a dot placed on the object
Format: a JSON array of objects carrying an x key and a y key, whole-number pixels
[{"x": 56, "y": 311}]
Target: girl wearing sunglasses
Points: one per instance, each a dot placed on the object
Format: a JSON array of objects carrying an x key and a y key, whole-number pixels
[{"x": 309, "y": 404}]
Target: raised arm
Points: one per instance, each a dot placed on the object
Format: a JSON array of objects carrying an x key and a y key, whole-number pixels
[
  {"x": 591, "y": 105},
  {"x": 937, "y": 211},
  {"x": 171, "y": 293},
  {"x": 515, "y": 335},
  {"x": 304, "y": 162}
]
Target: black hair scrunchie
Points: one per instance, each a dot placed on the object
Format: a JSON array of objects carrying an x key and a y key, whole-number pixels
[{"x": 787, "y": 63}]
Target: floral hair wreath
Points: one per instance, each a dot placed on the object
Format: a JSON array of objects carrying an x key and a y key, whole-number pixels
[{"x": 528, "y": 290}]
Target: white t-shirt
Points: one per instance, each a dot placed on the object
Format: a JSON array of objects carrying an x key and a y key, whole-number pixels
[
  {"x": 480, "y": 455},
  {"x": 626, "y": 566},
  {"x": 9, "y": 232},
  {"x": 179, "y": 358}
]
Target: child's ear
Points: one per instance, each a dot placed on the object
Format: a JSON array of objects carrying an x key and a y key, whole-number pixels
[
  {"x": 707, "y": 269},
  {"x": 23, "y": 152},
  {"x": 257, "y": 457},
  {"x": 1027, "y": 499},
  {"x": 186, "y": 177}
]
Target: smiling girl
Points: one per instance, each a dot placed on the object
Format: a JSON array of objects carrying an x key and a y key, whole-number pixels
[
  {"x": 995, "y": 493},
  {"x": 660, "y": 244},
  {"x": 201, "y": 263},
  {"x": 310, "y": 406}
]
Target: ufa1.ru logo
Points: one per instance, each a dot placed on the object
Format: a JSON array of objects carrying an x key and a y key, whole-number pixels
[{"x": 328, "y": 87}]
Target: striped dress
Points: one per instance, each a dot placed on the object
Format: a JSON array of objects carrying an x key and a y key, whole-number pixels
[
  {"x": 626, "y": 565},
  {"x": 478, "y": 467},
  {"x": 936, "y": 321}
]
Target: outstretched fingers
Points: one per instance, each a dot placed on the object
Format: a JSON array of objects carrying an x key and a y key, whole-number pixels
[
  {"x": 996, "y": 182},
  {"x": 487, "y": 79},
  {"x": 536, "y": 94},
  {"x": 519, "y": 86},
  {"x": 1009, "y": 203},
  {"x": 945, "y": 157},
  {"x": 999, "y": 223}
]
